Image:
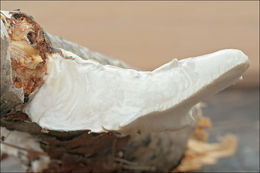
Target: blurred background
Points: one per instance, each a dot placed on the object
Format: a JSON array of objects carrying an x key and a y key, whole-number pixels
[{"x": 149, "y": 34}]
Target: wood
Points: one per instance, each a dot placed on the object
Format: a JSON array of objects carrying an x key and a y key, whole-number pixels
[{"x": 109, "y": 152}]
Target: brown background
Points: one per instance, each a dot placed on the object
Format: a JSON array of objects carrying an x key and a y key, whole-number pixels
[{"x": 149, "y": 34}]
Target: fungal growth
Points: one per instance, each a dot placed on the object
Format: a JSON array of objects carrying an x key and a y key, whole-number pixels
[
  {"x": 72, "y": 93},
  {"x": 66, "y": 108}
]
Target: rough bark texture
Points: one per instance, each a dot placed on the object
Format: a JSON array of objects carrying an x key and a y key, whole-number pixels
[
  {"x": 81, "y": 151},
  {"x": 10, "y": 96}
]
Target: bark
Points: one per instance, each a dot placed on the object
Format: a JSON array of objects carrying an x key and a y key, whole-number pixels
[
  {"x": 56, "y": 151},
  {"x": 10, "y": 96}
]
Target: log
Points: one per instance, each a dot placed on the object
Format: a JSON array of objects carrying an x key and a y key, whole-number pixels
[{"x": 55, "y": 151}]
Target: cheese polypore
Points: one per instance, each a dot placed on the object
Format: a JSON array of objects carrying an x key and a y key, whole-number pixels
[{"x": 83, "y": 94}]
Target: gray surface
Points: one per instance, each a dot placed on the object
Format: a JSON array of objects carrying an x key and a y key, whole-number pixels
[
  {"x": 237, "y": 112},
  {"x": 232, "y": 111},
  {"x": 10, "y": 164}
]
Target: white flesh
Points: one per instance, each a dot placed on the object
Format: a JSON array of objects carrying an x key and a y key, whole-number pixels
[{"x": 83, "y": 94}]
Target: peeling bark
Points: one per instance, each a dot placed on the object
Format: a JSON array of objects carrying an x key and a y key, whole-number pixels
[
  {"x": 81, "y": 151},
  {"x": 10, "y": 97}
]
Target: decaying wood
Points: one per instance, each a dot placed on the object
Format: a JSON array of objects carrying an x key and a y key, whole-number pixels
[
  {"x": 81, "y": 151},
  {"x": 92, "y": 152},
  {"x": 10, "y": 96}
]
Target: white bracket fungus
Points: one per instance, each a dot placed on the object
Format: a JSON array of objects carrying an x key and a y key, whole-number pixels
[{"x": 85, "y": 94}]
